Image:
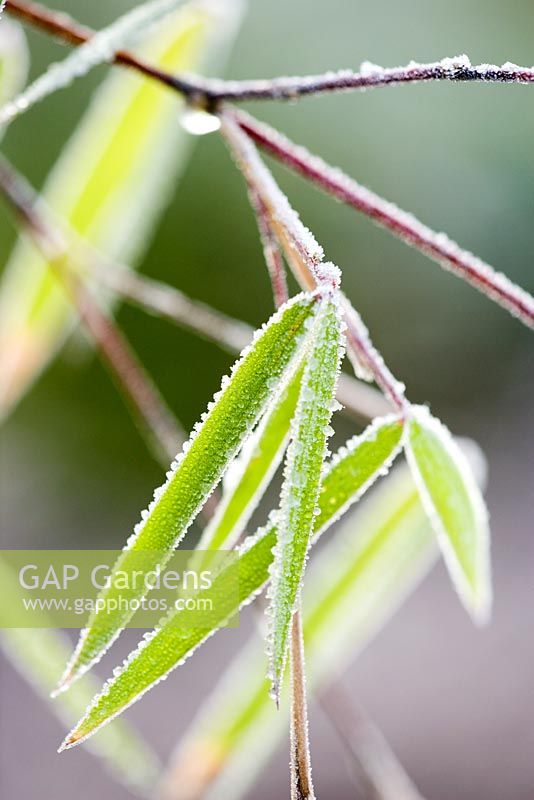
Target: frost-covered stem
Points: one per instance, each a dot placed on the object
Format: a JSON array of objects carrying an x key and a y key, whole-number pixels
[
  {"x": 277, "y": 206},
  {"x": 369, "y": 76},
  {"x": 173, "y": 305},
  {"x": 437, "y": 246},
  {"x": 306, "y": 256},
  {"x": 64, "y": 27},
  {"x": 156, "y": 420},
  {"x": 301, "y": 778},
  {"x": 359, "y": 341},
  {"x": 377, "y": 772},
  {"x": 271, "y": 250},
  {"x": 209, "y": 92}
]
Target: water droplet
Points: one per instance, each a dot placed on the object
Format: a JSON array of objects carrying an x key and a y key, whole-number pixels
[{"x": 198, "y": 122}]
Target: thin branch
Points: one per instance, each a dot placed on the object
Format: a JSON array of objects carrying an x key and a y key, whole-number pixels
[
  {"x": 271, "y": 250},
  {"x": 306, "y": 255},
  {"x": 377, "y": 772},
  {"x": 155, "y": 419},
  {"x": 64, "y": 27},
  {"x": 437, "y": 246},
  {"x": 359, "y": 401},
  {"x": 163, "y": 300},
  {"x": 210, "y": 92},
  {"x": 301, "y": 778},
  {"x": 370, "y": 76}
]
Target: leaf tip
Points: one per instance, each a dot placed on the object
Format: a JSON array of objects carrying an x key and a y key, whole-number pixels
[{"x": 70, "y": 741}]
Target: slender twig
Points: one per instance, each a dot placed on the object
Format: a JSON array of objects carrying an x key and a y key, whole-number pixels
[
  {"x": 271, "y": 250},
  {"x": 301, "y": 778},
  {"x": 65, "y": 28},
  {"x": 377, "y": 772},
  {"x": 359, "y": 401},
  {"x": 437, "y": 246},
  {"x": 150, "y": 410},
  {"x": 370, "y": 76},
  {"x": 307, "y": 263},
  {"x": 166, "y": 301},
  {"x": 210, "y": 92}
]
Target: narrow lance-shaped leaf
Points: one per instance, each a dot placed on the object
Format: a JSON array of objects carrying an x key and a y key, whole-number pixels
[
  {"x": 300, "y": 491},
  {"x": 376, "y": 559},
  {"x": 195, "y": 473},
  {"x": 252, "y": 471},
  {"x": 124, "y": 31},
  {"x": 356, "y": 466},
  {"x": 129, "y": 137},
  {"x": 38, "y": 654},
  {"x": 455, "y": 507}
]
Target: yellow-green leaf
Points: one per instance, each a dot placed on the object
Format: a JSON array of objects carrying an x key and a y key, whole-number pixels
[
  {"x": 110, "y": 184},
  {"x": 455, "y": 507},
  {"x": 215, "y": 441},
  {"x": 302, "y": 478},
  {"x": 376, "y": 559},
  {"x": 364, "y": 458}
]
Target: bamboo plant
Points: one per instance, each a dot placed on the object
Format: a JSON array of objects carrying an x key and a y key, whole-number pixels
[{"x": 71, "y": 268}]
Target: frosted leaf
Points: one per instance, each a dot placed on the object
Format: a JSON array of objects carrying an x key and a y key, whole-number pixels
[
  {"x": 362, "y": 575},
  {"x": 350, "y": 472},
  {"x": 302, "y": 474},
  {"x": 455, "y": 507},
  {"x": 126, "y": 30},
  {"x": 199, "y": 468},
  {"x": 251, "y": 472}
]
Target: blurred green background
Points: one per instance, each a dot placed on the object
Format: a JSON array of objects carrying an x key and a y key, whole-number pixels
[{"x": 456, "y": 703}]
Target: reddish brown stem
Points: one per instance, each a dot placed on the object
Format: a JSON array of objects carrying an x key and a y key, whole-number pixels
[
  {"x": 67, "y": 29},
  {"x": 210, "y": 92},
  {"x": 437, "y": 246}
]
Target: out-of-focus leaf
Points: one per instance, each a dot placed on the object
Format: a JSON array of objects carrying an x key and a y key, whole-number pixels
[
  {"x": 174, "y": 641},
  {"x": 252, "y": 471},
  {"x": 111, "y": 184},
  {"x": 455, "y": 507},
  {"x": 125, "y": 31},
  {"x": 215, "y": 441},
  {"x": 38, "y": 654},
  {"x": 14, "y": 59},
  {"x": 379, "y": 555},
  {"x": 300, "y": 490}
]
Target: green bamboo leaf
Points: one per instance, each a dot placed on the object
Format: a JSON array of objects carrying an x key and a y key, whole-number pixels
[
  {"x": 252, "y": 471},
  {"x": 377, "y": 558},
  {"x": 129, "y": 137},
  {"x": 14, "y": 59},
  {"x": 300, "y": 491},
  {"x": 362, "y": 460},
  {"x": 213, "y": 444},
  {"x": 455, "y": 507},
  {"x": 38, "y": 654}
]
